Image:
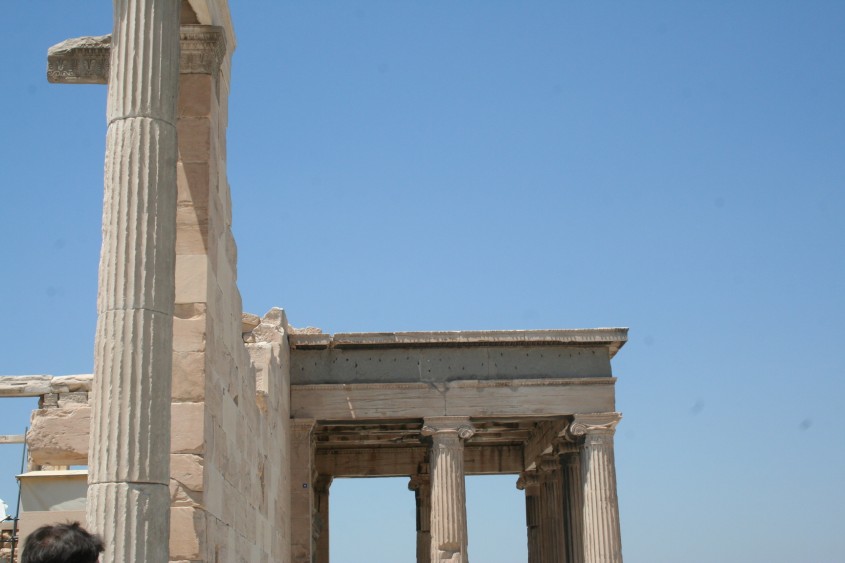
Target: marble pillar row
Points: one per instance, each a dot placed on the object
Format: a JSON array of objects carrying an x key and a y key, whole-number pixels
[
  {"x": 602, "y": 538},
  {"x": 573, "y": 501},
  {"x": 448, "y": 489},
  {"x": 529, "y": 482},
  {"x": 321, "y": 516},
  {"x": 421, "y": 485},
  {"x": 551, "y": 510},
  {"x": 128, "y": 493}
]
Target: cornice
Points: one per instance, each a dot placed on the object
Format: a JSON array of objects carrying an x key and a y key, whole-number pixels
[{"x": 613, "y": 338}]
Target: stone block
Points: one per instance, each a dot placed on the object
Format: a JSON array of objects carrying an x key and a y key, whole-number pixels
[
  {"x": 60, "y": 436},
  {"x": 49, "y": 401},
  {"x": 187, "y": 527},
  {"x": 191, "y": 278},
  {"x": 187, "y": 470},
  {"x": 180, "y": 496},
  {"x": 193, "y": 184},
  {"x": 73, "y": 400},
  {"x": 188, "y": 377},
  {"x": 186, "y": 431},
  {"x": 191, "y": 230},
  {"x": 196, "y": 94},
  {"x": 194, "y": 134},
  {"x": 189, "y": 334}
]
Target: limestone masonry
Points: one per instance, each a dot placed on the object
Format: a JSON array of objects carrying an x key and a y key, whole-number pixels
[{"x": 223, "y": 431}]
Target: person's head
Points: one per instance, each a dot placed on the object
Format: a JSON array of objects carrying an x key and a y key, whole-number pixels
[{"x": 61, "y": 543}]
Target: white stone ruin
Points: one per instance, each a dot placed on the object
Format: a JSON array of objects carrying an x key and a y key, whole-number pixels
[{"x": 222, "y": 431}]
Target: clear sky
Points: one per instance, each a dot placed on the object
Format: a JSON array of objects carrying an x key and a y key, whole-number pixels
[{"x": 673, "y": 167}]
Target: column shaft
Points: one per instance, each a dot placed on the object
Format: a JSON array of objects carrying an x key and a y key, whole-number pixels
[
  {"x": 573, "y": 500},
  {"x": 421, "y": 485},
  {"x": 128, "y": 496},
  {"x": 551, "y": 506},
  {"x": 448, "y": 492},
  {"x": 602, "y": 537},
  {"x": 530, "y": 483}
]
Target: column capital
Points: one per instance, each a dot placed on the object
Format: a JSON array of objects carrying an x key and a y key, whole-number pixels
[
  {"x": 418, "y": 482},
  {"x": 440, "y": 425},
  {"x": 527, "y": 479},
  {"x": 566, "y": 447},
  {"x": 592, "y": 424},
  {"x": 548, "y": 464},
  {"x": 203, "y": 48}
]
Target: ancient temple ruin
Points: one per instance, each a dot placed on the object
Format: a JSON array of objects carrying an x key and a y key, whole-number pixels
[{"x": 222, "y": 430}]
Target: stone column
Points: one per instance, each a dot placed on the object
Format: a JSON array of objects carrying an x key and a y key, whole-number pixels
[
  {"x": 128, "y": 493},
  {"x": 302, "y": 477},
  {"x": 551, "y": 510},
  {"x": 530, "y": 483},
  {"x": 573, "y": 502},
  {"x": 421, "y": 485},
  {"x": 321, "y": 515},
  {"x": 602, "y": 538},
  {"x": 448, "y": 492}
]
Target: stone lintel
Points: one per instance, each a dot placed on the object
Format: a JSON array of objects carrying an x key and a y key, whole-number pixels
[
  {"x": 37, "y": 385},
  {"x": 522, "y": 398},
  {"x": 399, "y": 462},
  {"x": 614, "y": 338},
  {"x": 86, "y": 60},
  {"x": 12, "y": 438}
]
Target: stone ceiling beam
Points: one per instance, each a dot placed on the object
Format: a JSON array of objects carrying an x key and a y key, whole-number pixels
[{"x": 543, "y": 441}]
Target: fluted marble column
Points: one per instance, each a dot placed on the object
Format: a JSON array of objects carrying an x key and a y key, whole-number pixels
[
  {"x": 602, "y": 538},
  {"x": 448, "y": 489},
  {"x": 128, "y": 497},
  {"x": 530, "y": 483},
  {"x": 551, "y": 510},
  {"x": 421, "y": 485},
  {"x": 573, "y": 501}
]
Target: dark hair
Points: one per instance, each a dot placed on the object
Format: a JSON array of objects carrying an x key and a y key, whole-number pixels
[{"x": 61, "y": 543}]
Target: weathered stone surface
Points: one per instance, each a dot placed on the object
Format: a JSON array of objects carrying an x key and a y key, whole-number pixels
[
  {"x": 187, "y": 428},
  {"x": 72, "y": 400},
  {"x": 35, "y": 385},
  {"x": 469, "y": 397},
  {"x": 188, "y": 377},
  {"x": 59, "y": 436},
  {"x": 249, "y": 322},
  {"x": 139, "y": 519},
  {"x": 187, "y": 525},
  {"x": 396, "y": 363},
  {"x": 81, "y": 60},
  {"x": 191, "y": 278},
  {"x": 189, "y": 334},
  {"x": 186, "y": 469}
]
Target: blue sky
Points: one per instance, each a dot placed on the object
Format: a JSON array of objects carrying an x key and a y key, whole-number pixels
[{"x": 672, "y": 167}]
